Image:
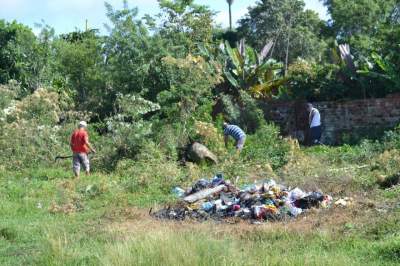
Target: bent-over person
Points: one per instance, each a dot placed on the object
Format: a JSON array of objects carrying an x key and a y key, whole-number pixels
[{"x": 236, "y": 133}]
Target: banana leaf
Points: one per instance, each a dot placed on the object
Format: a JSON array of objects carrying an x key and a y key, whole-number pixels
[
  {"x": 251, "y": 56},
  {"x": 231, "y": 79},
  {"x": 233, "y": 55},
  {"x": 265, "y": 89}
]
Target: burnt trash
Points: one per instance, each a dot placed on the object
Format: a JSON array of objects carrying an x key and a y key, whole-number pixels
[
  {"x": 218, "y": 199},
  {"x": 310, "y": 201}
]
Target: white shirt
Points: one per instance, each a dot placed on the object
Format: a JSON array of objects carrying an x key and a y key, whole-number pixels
[{"x": 316, "y": 118}]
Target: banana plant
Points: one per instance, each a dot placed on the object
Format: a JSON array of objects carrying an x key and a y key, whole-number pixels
[
  {"x": 253, "y": 72},
  {"x": 382, "y": 69}
]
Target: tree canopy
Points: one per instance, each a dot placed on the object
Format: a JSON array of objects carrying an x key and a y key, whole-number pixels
[{"x": 175, "y": 58}]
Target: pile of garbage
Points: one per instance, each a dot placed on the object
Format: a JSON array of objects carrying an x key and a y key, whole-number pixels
[{"x": 219, "y": 199}]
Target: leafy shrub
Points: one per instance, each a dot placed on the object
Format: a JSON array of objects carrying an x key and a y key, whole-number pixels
[
  {"x": 126, "y": 130},
  {"x": 243, "y": 111},
  {"x": 266, "y": 145},
  {"x": 6, "y": 97},
  {"x": 251, "y": 116},
  {"x": 387, "y": 162},
  {"x": 36, "y": 128},
  {"x": 207, "y": 134},
  {"x": 391, "y": 138},
  {"x": 190, "y": 82},
  {"x": 31, "y": 135},
  {"x": 28, "y": 144},
  {"x": 231, "y": 110},
  {"x": 148, "y": 175},
  {"x": 42, "y": 106}
]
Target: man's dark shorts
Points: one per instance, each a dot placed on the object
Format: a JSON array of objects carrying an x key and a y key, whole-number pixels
[{"x": 316, "y": 133}]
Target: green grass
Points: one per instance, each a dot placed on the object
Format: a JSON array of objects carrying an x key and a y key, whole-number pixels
[{"x": 110, "y": 225}]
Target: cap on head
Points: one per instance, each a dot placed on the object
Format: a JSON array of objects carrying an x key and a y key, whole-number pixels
[
  {"x": 224, "y": 125},
  {"x": 82, "y": 124}
]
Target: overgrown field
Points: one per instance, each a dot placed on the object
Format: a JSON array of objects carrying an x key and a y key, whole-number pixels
[
  {"x": 48, "y": 218},
  {"x": 149, "y": 88}
]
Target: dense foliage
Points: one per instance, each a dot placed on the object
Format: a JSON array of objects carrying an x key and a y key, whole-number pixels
[
  {"x": 150, "y": 82},
  {"x": 151, "y": 86}
]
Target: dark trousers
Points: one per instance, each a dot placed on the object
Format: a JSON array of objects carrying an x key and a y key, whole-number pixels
[{"x": 315, "y": 133}]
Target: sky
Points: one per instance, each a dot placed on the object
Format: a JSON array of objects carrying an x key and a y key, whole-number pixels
[{"x": 68, "y": 15}]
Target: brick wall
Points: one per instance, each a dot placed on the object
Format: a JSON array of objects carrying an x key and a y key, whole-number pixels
[{"x": 339, "y": 119}]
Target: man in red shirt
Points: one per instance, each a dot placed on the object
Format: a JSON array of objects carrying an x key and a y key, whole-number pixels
[{"x": 80, "y": 147}]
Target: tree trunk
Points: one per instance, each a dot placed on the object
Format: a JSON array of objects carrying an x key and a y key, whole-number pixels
[
  {"x": 287, "y": 53},
  {"x": 289, "y": 29},
  {"x": 230, "y": 16}
]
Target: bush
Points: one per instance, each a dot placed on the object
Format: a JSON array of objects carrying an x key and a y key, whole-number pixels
[
  {"x": 42, "y": 106},
  {"x": 266, "y": 145},
  {"x": 243, "y": 111},
  {"x": 210, "y": 136},
  {"x": 6, "y": 97},
  {"x": 391, "y": 138},
  {"x": 35, "y": 129},
  {"x": 126, "y": 131},
  {"x": 149, "y": 174},
  {"x": 28, "y": 144},
  {"x": 319, "y": 82},
  {"x": 191, "y": 80}
]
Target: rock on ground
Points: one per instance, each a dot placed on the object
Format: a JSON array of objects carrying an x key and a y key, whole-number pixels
[{"x": 198, "y": 153}]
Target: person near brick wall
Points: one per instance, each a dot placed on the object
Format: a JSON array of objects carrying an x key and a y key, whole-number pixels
[{"x": 314, "y": 122}]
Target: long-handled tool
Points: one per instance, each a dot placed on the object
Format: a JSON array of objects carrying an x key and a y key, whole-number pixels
[
  {"x": 62, "y": 157},
  {"x": 69, "y": 156}
]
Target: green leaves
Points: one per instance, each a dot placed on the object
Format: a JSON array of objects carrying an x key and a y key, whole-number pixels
[
  {"x": 23, "y": 56},
  {"x": 135, "y": 106},
  {"x": 384, "y": 69},
  {"x": 234, "y": 56},
  {"x": 231, "y": 79},
  {"x": 251, "y": 71},
  {"x": 190, "y": 83},
  {"x": 275, "y": 20}
]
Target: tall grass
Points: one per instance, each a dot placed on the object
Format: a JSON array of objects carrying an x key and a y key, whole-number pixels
[{"x": 163, "y": 244}]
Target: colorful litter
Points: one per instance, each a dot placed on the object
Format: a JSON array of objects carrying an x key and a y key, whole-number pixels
[{"x": 219, "y": 199}]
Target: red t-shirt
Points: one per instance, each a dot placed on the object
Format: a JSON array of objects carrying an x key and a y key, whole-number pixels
[{"x": 78, "y": 140}]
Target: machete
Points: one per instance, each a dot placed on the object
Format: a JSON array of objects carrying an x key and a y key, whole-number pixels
[
  {"x": 62, "y": 157},
  {"x": 70, "y": 156}
]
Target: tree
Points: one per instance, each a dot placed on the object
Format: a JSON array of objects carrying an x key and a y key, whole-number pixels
[
  {"x": 294, "y": 32},
  {"x": 79, "y": 69},
  {"x": 184, "y": 25},
  {"x": 129, "y": 51},
  {"x": 230, "y": 2},
  {"x": 353, "y": 17},
  {"x": 22, "y": 55},
  {"x": 359, "y": 22},
  {"x": 190, "y": 81}
]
